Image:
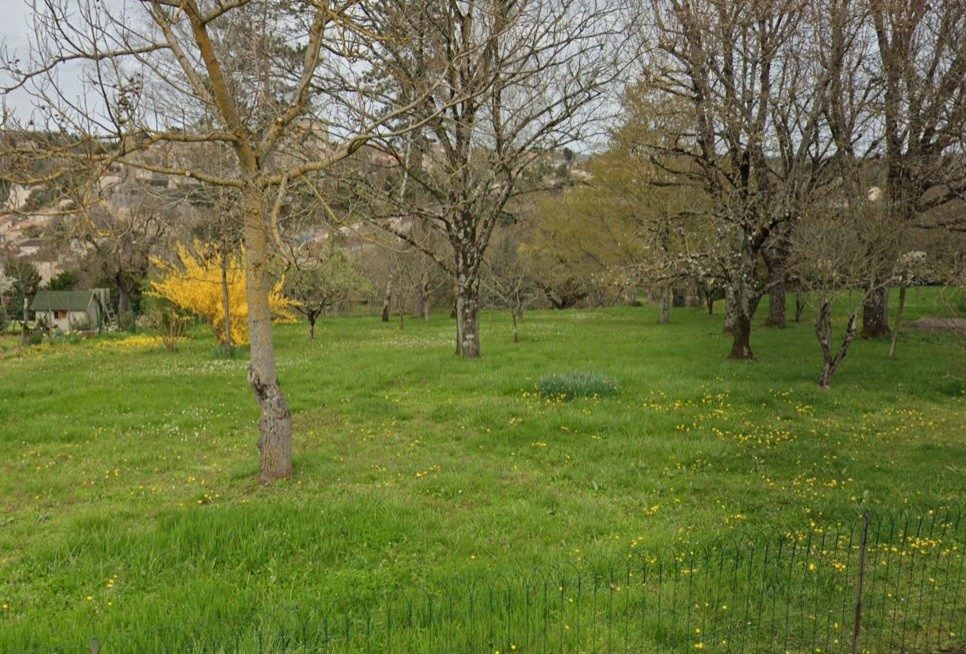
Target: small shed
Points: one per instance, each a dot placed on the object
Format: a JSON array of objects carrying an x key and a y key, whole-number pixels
[{"x": 73, "y": 310}]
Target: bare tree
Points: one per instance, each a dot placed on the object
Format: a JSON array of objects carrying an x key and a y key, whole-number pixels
[
  {"x": 532, "y": 75},
  {"x": 271, "y": 83},
  {"x": 121, "y": 234},
  {"x": 510, "y": 278},
  {"x": 921, "y": 59},
  {"x": 831, "y": 243},
  {"x": 755, "y": 91}
]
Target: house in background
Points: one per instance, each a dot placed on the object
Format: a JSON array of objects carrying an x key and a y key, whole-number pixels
[{"x": 71, "y": 311}]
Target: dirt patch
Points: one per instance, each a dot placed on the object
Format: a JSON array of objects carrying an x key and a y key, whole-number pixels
[{"x": 955, "y": 325}]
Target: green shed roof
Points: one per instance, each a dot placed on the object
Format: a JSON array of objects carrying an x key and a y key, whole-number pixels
[{"x": 61, "y": 301}]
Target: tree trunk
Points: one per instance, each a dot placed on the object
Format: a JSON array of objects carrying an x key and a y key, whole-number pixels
[
  {"x": 823, "y": 331},
  {"x": 387, "y": 299},
  {"x": 665, "y": 307},
  {"x": 895, "y": 330},
  {"x": 312, "y": 318},
  {"x": 123, "y": 298},
  {"x": 468, "y": 323},
  {"x": 423, "y": 300},
  {"x": 799, "y": 307},
  {"x": 875, "y": 314},
  {"x": 731, "y": 311},
  {"x": 467, "y": 305},
  {"x": 275, "y": 422},
  {"x": 742, "y": 306},
  {"x": 516, "y": 327},
  {"x": 741, "y": 345},
  {"x": 24, "y": 329},
  {"x": 775, "y": 262},
  {"x": 226, "y": 301},
  {"x": 776, "y": 308}
]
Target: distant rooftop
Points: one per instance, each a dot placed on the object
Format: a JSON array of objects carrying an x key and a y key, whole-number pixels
[{"x": 61, "y": 301}]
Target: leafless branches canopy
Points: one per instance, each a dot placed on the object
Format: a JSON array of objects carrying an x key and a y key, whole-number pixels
[
  {"x": 521, "y": 79},
  {"x": 790, "y": 103}
]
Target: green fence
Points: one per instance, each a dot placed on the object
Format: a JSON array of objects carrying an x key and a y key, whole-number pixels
[{"x": 878, "y": 584}]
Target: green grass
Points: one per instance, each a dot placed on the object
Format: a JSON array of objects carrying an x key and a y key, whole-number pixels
[{"x": 128, "y": 498}]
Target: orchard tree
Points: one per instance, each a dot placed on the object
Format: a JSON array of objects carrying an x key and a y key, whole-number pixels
[
  {"x": 120, "y": 241},
  {"x": 272, "y": 84},
  {"x": 511, "y": 277},
  {"x": 638, "y": 180},
  {"x": 749, "y": 131},
  {"x": 920, "y": 56},
  {"x": 577, "y": 245},
  {"x": 831, "y": 244},
  {"x": 523, "y": 80},
  {"x": 25, "y": 278},
  {"x": 322, "y": 277}
]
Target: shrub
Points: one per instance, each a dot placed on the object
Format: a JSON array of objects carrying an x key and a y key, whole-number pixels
[
  {"x": 570, "y": 385},
  {"x": 195, "y": 285},
  {"x": 168, "y": 322}
]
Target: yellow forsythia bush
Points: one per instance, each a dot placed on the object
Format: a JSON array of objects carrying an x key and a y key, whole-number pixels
[{"x": 194, "y": 284}]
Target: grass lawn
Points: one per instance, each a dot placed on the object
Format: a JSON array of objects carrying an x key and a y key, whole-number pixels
[{"x": 128, "y": 498}]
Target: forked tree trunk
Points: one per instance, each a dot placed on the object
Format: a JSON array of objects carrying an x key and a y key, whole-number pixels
[
  {"x": 799, "y": 307},
  {"x": 709, "y": 300},
  {"x": 823, "y": 331},
  {"x": 875, "y": 314},
  {"x": 275, "y": 421}
]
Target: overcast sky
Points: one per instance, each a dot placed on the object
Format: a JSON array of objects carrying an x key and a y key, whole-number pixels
[
  {"x": 13, "y": 21},
  {"x": 13, "y": 33}
]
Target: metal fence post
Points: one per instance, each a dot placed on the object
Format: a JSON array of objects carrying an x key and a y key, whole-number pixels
[{"x": 857, "y": 628}]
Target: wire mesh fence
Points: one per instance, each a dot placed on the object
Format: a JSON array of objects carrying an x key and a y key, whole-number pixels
[{"x": 879, "y": 584}]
